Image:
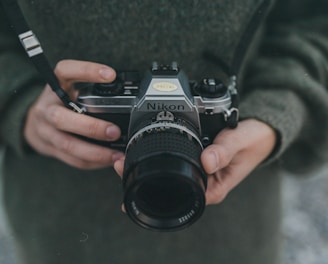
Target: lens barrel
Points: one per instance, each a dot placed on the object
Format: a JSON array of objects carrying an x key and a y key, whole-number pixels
[{"x": 164, "y": 184}]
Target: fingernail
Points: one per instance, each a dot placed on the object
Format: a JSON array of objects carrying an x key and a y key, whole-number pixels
[
  {"x": 106, "y": 73},
  {"x": 113, "y": 132},
  {"x": 212, "y": 160}
]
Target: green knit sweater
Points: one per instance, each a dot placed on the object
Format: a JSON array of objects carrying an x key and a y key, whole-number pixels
[{"x": 284, "y": 81}]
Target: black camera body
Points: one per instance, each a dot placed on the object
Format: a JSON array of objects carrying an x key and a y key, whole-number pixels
[{"x": 166, "y": 121}]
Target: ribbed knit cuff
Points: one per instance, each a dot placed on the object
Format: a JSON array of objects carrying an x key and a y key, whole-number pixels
[
  {"x": 13, "y": 119},
  {"x": 281, "y": 109}
]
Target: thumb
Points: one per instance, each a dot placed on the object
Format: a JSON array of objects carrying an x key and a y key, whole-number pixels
[{"x": 221, "y": 152}]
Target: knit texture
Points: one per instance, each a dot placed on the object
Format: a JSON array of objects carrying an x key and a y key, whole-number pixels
[
  {"x": 131, "y": 34},
  {"x": 290, "y": 79}
]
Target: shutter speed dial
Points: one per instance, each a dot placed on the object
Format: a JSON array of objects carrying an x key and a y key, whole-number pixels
[{"x": 211, "y": 88}]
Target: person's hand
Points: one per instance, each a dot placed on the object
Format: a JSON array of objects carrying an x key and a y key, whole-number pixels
[
  {"x": 232, "y": 156},
  {"x": 50, "y": 126}
]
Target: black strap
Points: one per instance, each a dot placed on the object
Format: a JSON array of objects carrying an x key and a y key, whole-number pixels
[
  {"x": 248, "y": 34},
  {"x": 34, "y": 50}
]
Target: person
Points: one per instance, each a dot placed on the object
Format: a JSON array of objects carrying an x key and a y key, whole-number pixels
[{"x": 62, "y": 194}]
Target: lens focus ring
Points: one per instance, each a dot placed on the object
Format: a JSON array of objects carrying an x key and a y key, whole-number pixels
[{"x": 168, "y": 141}]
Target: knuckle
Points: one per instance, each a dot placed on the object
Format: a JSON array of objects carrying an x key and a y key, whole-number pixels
[
  {"x": 54, "y": 115},
  {"x": 102, "y": 156},
  {"x": 86, "y": 68},
  {"x": 77, "y": 163},
  {"x": 63, "y": 153},
  {"x": 65, "y": 145},
  {"x": 59, "y": 68},
  {"x": 224, "y": 156},
  {"x": 94, "y": 129},
  {"x": 81, "y": 164},
  {"x": 38, "y": 110}
]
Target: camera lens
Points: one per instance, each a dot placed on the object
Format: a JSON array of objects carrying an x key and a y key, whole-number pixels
[
  {"x": 164, "y": 197},
  {"x": 164, "y": 184}
]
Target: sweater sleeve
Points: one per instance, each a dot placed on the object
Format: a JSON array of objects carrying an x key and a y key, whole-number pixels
[
  {"x": 20, "y": 85},
  {"x": 287, "y": 87}
]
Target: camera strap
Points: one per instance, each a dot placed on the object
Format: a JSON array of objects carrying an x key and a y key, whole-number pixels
[{"x": 35, "y": 52}]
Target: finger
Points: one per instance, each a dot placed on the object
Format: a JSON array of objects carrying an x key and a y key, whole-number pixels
[
  {"x": 69, "y": 121},
  {"x": 249, "y": 135},
  {"x": 83, "y": 71},
  {"x": 223, "y": 181},
  {"x": 77, "y": 162},
  {"x": 218, "y": 155},
  {"x": 86, "y": 151},
  {"x": 226, "y": 144},
  {"x": 119, "y": 166},
  {"x": 235, "y": 153},
  {"x": 45, "y": 148},
  {"x": 65, "y": 144},
  {"x": 216, "y": 190}
]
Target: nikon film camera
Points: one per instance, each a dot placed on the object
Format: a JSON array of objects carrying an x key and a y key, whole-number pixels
[{"x": 166, "y": 121}]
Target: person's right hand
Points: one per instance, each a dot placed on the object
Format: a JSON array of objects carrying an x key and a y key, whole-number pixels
[{"x": 49, "y": 125}]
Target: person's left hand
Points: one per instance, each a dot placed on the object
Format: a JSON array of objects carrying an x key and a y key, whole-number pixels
[{"x": 232, "y": 156}]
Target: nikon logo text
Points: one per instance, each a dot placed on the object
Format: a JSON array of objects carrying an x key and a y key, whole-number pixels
[{"x": 164, "y": 107}]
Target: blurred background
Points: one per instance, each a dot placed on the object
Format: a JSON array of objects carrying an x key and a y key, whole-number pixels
[
  {"x": 305, "y": 219},
  {"x": 304, "y": 224}
]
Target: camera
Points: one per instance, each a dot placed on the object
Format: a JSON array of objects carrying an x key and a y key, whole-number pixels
[{"x": 166, "y": 121}]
